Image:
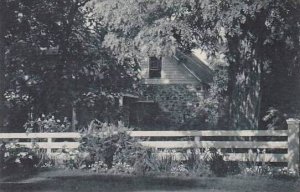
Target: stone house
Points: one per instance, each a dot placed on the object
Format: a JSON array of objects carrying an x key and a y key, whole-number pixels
[{"x": 170, "y": 91}]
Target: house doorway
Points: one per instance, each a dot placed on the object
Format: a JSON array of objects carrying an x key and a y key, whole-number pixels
[{"x": 142, "y": 114}]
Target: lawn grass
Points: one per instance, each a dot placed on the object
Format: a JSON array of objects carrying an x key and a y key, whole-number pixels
[{"x": 77, "y": 181}]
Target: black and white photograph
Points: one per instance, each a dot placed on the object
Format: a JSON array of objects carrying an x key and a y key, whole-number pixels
[{"x": 149, "y": 95}]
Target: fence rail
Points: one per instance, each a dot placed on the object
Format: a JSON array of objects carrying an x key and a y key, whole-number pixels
[{"x": 290, "y": 143}]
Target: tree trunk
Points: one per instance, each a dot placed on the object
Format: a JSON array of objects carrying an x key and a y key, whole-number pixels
[
  {"x": 247, "y": 96},
  {"x": 2, "y": 63},
  {"x": 233, "y": 56},
  {"x": 74, "y": 118},
  {"x": 244, "y": 88}
]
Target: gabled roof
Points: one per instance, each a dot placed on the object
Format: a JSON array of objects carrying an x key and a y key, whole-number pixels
[
  {"x": 195, "y": 66},
  {"x": 180, "y": 68}
]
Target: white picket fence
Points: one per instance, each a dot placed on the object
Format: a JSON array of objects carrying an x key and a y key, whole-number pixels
[{"x": 290, "y": 144}]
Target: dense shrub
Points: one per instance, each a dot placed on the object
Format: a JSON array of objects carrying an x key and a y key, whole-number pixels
[
  {"x": 217, "y": 164},
  {"x": 109, "y": 148},
  {"x": 18, "y": 158},
  {"x": 274, "y": 120},
  {"x": 111, "y": 145},
  {"x": 197, "y": 163},
  {"x": 47, "y": 124}
]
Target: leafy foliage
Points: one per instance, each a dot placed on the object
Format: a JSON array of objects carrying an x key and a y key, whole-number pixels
[
  {"x": 56, "y": 62},
  {"x": 16, "y": 158},
  {"x": 111, "y": 145},
  {"x": 47, "y": 124},
  {"x": 275, "y": 120},
  {"x": 245, "y": 32},
  {"x": 98, "y": 50}
]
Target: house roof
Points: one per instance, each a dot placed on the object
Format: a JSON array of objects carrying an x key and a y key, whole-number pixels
[
  {"x": 195, "y": 66},
  {"x": 181, "y": 68}
]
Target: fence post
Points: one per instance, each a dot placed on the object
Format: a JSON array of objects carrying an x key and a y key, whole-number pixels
[
  {"x": 49, "y": 142},
  {"x": 293, "y": 145},
  {"x": 197, "y": 140}
]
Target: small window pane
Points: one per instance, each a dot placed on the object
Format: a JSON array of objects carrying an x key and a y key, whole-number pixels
[{"x": 155, "y": 67}]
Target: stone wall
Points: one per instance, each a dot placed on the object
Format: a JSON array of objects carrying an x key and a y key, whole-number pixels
[{"x": 178, "y": 102}]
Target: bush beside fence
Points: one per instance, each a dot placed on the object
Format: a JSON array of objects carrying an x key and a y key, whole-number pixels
[{"x": 259, "y": 150}]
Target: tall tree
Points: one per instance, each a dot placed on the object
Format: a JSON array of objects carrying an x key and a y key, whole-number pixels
[
  {"x": 245, "y": 31},
  {"x": 10, "y": 28},
  {"x": 2, "y": 63},
  {"x": 254, "y": 32},
  {"x": 56, "y": 63}
]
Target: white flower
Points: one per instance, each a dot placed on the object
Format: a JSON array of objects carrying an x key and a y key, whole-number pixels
[
  {"x": 6, "y": 154},
  {"x": 17, "y": 160},
  {"x": 20, "y": 15},
  {"x": 22, "y": 154},
  {"x": 10, "y": 145}
]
